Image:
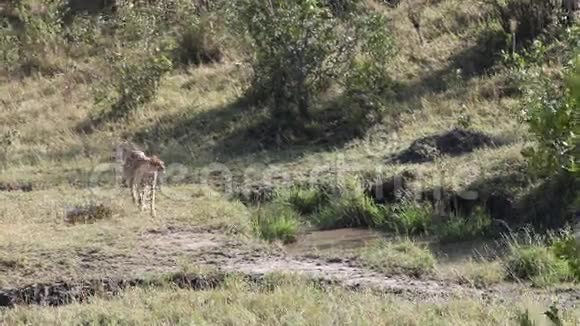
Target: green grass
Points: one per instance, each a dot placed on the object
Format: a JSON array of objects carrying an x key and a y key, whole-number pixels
[
  {"x": 277, "y": 222},
  {"x": 350, "y": 207},
  {"x": 289, "y": 301},
  {"x": 411, "y": 218},
  {"x": 458, "y": 228},
  {"x": 305, "y": 200},
  {"x": 404, "y": 257},
  {"x": 536, "y": 263}
]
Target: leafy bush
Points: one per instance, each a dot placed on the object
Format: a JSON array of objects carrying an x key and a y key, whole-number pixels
[
  {"x": 350, "y": 207},
  {"x": 567, "y": 248},
  {"x": 32, "y": 46},
  {"x": 410, "y": 218},
  {"x": 135, "y": 83},
  {"x": 301, "y": 47},
  {"x": 550, "y": 112},
  {"x": 458, "y": 228},
  {"x": 276, "y": 221},
  {"x": 404, "y": 257},
  {"x": 305, "y": 200},
  {"x": 536, "y": 263}
]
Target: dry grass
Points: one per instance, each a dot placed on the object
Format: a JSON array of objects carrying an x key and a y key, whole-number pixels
[
  {"x": 290, "y": 301},
  {"x": 34, "y": 232}
]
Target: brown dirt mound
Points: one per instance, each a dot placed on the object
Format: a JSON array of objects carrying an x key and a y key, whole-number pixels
[{"x": 453, "y": 143}]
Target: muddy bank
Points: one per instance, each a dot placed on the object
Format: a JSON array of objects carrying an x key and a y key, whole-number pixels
[
  {"x": 158, "y": 252},
  {"x": 61, "y": 293}
]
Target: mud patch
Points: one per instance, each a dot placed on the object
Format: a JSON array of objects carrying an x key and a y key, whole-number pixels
[
  {"x": 157, "y": 252},
  {"x": 61, "y": 293},
  {"x": 16, "y": 186},
  {"x": 452, "y": 143}
]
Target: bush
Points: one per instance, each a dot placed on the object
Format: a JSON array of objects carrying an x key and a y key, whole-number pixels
[
  {"x": 301, "y": 47},
  {"x": 134, "y": 84},
  {"x": 31, "y": 47},
  {"x": 277, "y": 222},
  {"x": 567, "y": 248},
  {"x": 549, "y": 111},
  {"x": 350, "y": 207},
  {"x": 410, "y": 218},
  {"x": 404, "y": 257},
  {"x": 536, "y": 263},
  {"x": 458, "y": 228},
  {"x": 305, "y": 200}
]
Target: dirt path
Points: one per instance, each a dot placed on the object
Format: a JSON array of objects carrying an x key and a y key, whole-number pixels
[{"x": 161, "y": 251}]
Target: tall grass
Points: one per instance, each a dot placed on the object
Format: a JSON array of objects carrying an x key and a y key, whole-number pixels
[
  {"x": 350, "y": 207},
  {"x": 458, "y": 228},
  {"x": 277, "y": 222},
  {"x": 405, "y": 257},
  {"x": 291, "y": 301},
  {"x": 534, "y": 259},
  {"x": 305, "y": 200}
]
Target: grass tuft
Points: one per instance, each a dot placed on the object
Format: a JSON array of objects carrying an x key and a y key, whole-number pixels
[
  {"x": 350, "y": 207},
  {"x": 404, "y": 257},
  {"x": 536, "y": 263},
  {"x": 411, "y": 218},
  {"x": 277, "y": 222},
  {"x": 305, "y": 200},
  {"x": 459, "y": 228}
]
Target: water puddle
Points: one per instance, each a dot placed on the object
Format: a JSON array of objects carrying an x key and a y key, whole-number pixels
[
  {"x": 349, "y": 240},
  {"x": 331, "y": 240}
]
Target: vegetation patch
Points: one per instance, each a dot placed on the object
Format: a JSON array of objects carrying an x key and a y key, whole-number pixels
[
  {"x": 458, "y": 228},
  {"x": 478, "y": 273},
  {"x": 410, "y": 218},
  {"x": 305, "y": 200},
  {"x": 277, "y": 222},
  {"x": 536, "y": 263},
  {"x": 405, "y": 257},
  {"x": 350, "y": 207}
]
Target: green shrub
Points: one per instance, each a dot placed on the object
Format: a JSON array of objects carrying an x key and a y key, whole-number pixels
[
  {"x": 32, "y": 47},
  {"x": 410, "y": 218},
  {"x": 134, "y": 84},
  {"x": 567, "y": 248},
  {"x": 350, "y": 207},
  {"x": 536, "y": 263},
  {"x": 549, "y": 111},
  {"x": 301, "y": 48},
  {"x": 458, "y": 228},
  {"x": 277, "y": 222},
  {"x": 305, "y": 200},
  {"x": 404, "y": 257}
]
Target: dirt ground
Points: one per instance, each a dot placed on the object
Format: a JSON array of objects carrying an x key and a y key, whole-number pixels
[{"x": 169, "y": 250}]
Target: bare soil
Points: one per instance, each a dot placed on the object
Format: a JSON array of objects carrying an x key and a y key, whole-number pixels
[{"x": 160, "y": 253}]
